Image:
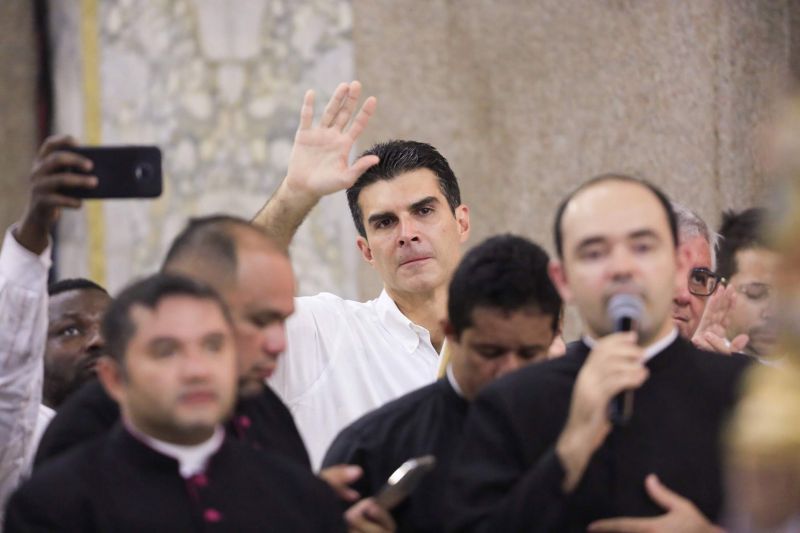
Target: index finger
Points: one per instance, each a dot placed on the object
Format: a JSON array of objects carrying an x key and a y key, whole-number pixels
[
  {"x": 622, "y": 525},
  {"x": 54, "y": 142}
]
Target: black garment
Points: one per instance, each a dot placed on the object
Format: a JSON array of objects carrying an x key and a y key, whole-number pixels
[
  {"x": 262, "y": 421},
  {"x": 507, "y": 476},
  {"x": 117, "y": 483},
  {"x": 426, "y": 421}
]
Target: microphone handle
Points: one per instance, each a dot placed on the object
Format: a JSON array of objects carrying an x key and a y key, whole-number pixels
[{"x": 620, "y": 408}]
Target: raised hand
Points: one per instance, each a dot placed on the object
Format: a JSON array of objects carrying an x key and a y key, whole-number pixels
[
  {"x": 318, "y": 164},
  {"x": 711, "y": 332},
  {"x": 47, "y": 179},
  {"x": 681, "y": 515}
]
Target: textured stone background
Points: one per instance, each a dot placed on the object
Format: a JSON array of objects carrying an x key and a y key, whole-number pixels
[
  {"x": 17, "y": 106},
  {"x": 527, "y": 99}
]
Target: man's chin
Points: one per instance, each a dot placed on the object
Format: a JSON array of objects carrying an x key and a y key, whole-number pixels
[{"x": 250, "y": 387}]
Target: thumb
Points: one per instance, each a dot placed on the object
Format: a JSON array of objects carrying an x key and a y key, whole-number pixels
[
  {"x": 660, "y": 493},
  {"x": 361, "y": 165},
  {"x": 738, "y": 343}
]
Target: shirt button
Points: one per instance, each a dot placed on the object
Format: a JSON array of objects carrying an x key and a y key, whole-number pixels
[
  {"x": 212, "y": 515},
  {"x": 200, "y": 480},
  {"x": 244, "y": 421}
]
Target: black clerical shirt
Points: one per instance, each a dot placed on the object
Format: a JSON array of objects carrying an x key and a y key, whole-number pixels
[
  {"x": 118, "y": 483},
  {"x": 426, "y": 421},
  {"x": 263, "y": 421},
  {"x": 507, "y": 477}
]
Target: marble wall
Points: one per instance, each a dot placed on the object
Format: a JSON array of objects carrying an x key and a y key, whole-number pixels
[{"x": 218, "y": 86}]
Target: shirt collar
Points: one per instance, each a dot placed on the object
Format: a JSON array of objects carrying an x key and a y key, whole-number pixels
[
  {"x": 453, "y": 383},
  {"x": 649, "y": 352},
  {"x": 191, "y": 459},
  {"x": 404, "y": 330}
]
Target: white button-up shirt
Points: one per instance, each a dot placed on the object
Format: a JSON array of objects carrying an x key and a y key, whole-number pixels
[
  {"x": 346, "y": 358},
  {"x": 23, "y": 332}
]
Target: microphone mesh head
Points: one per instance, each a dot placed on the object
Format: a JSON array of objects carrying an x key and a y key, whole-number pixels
[{"x": 625, "y": 305}]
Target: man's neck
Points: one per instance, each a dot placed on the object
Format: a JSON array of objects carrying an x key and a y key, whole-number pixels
[{"x": 426, "y": 309}]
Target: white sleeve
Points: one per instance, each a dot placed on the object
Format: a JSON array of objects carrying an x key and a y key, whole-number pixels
[
  {"x": 307, "y": 353},
  {"x": 23, "y": 332}
]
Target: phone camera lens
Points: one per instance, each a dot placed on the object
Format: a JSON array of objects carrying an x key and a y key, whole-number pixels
[{"x": 143, "y": 172}]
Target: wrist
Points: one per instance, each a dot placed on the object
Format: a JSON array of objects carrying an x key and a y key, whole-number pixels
[
  {"x": 32, "y": 234},
  {"x": 292, "y": 190},
  {"x": 573, "y": 449}
]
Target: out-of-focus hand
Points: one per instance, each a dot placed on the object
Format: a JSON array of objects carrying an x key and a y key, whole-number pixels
[
  {"x": 318, "y": 164},
  {"x": 616, "y": 363},
  {"x": 340, "y": 477},
  {"x": 711, "y": 331},
  {"x": 681, "y": 516},
  {"x": 368, "y": 517},
  {"x": 45, "y": 201}
]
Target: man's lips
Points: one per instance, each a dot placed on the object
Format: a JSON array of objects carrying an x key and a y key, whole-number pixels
[
  {"x": 681, "y": 318},
  {"x": 198, "y": 397},
  {"x": 413, "y": 260}
]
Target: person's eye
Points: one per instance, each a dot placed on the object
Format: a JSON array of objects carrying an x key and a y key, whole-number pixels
[
  {"x": 383, "y": 223},
  {"x": 214, "y": 344},
  {"x": 490, "y": 353},
  {"x": 642, "y": 247},
  {"x": 425, "y": 210},
  {"x": 69, "y": 331},
  {"x": 591, "y": 254},
  {"x": 164, "y": 349}
]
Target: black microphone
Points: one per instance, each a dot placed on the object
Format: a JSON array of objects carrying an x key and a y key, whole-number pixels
[{"x": 625, "y": 311}]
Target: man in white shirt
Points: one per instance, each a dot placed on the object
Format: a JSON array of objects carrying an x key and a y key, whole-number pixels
[
  {"x": 24, "y": 265},
  {"x": 345, "y": 358}
]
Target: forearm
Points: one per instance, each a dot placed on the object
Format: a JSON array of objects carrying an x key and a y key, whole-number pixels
[
  {"x": 284, "y": 212},
  {"x": 573, "y": 449}
]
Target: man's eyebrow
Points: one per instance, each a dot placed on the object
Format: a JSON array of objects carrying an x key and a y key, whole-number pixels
[
  {"x": 380, "y": 216},
  {"x": 589, "y": 241},
  {"x": 428, "y": 200},
  {"x": 643, "y": 233}
]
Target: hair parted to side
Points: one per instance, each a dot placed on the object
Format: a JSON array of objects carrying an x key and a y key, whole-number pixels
[
  {"x": 597, "y": 180},
  {"x": 690, "y": 225},
  {"x": 740, "y": 231},
  {"x": 74, "y": 284},
  {"x": 118, "y": 327},
  {"x": 504, "y": 272},
  {"x": 397, "y": 157}
]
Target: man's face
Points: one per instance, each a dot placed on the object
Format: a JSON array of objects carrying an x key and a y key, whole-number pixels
[
  {"x": 687, "y": 308},
  {"x": 73, "y": 341},
  {"x": 413, "y": 239},
  {"x": 753, "y": 311},
  {"x": 616, "y": 239},
  {"x": 497, "y": 343},
  {"x": 179, "y": 377},
  {"x": 260, "y": 302}
]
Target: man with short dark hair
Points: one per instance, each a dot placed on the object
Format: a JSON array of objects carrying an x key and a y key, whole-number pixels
[
  {"x": 167, "y": 465},
  {"x": 74, "y": 342},
  {"x": 503, "y": 313},
  {"x": 345, "y": 358},
  {"x": 539, "y": 451},
  {"x": 750, "y": 264}
]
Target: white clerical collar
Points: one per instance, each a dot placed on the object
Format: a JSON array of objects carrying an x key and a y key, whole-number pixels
[
  {"x": 649, "y": 352},
  {"x": 453, "y": 383},
  {"x": 191, "y": 459}
]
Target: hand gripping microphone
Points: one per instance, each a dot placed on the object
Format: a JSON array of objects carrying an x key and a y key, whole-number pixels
[{"x": 625, "y": 311}]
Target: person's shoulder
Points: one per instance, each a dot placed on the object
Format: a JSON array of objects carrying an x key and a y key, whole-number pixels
[
  {"x": 67, "y": 473},
  {"x": 553, "y": 372},
  {"x": 396, "y": 410},
  {"x": 733, "y": 364}
]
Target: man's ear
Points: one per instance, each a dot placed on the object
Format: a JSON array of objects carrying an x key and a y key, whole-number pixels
[
  {"x": 462, "y": 219},
  {"x": 559, "y": 278},
  {"x": 363, "y": 247},
  {"x": 111, "y": 377},
  {"x": 449, "y": 330}
]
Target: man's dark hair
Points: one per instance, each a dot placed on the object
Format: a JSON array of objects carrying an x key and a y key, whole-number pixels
[
  {"x": 73, "y": 284},
  {"x": 118, "y": 327},
  {"x": 662, "y": 198},
  {"x": 504, "y": 272},
  {"x": 398, "y": 157},
  {"x": 739, "y": 231}
]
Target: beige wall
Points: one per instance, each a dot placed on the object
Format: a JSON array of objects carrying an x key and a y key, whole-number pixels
[
  {"x": 17, "y": 106},
  {"x": 528, "y": 98}
]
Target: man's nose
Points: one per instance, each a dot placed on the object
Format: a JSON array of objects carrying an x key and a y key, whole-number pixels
[
  {"x": 274, "y": 341},
  {"x": 95, "y": 341},
  {"x": 195, "y": 364},
  {"x": 622, "y": 262},
  {"x": 510, "y": 362},
  {"x": 682, "y": 295},
  {"x": 408, "y": 231}
]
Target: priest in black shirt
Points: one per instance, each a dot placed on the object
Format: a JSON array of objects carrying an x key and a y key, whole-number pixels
[
  {"x": 168, "y": 464},
  {"x": 539, "y": 452},
  {"x": 255, "y": 279},
  {"x": 503, "y": 312}
]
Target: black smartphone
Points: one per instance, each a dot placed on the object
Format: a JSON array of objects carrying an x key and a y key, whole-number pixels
[
  {"x": 403, "y": 481},
  {"x": 122, "y": 172}
]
